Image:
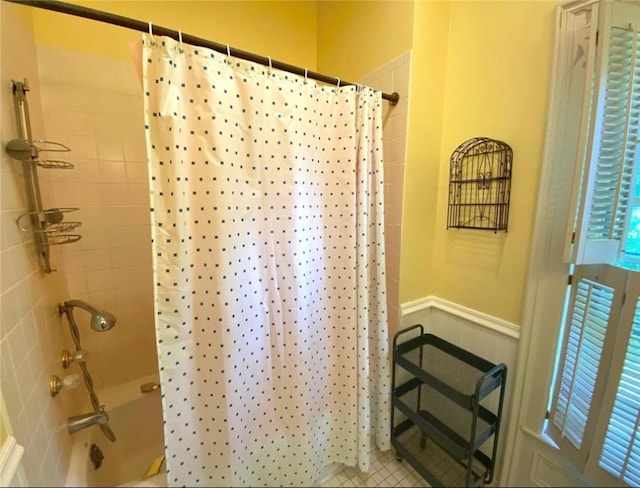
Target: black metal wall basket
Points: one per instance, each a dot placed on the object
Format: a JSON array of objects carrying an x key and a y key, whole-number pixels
[{"x": 480, "y": 185}]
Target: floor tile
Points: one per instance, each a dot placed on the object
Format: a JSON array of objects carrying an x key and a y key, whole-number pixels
[{"x": 385, "y": 471}]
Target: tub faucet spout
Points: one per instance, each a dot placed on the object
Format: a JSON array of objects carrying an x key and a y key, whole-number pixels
[{"x": 79, "y": 422}]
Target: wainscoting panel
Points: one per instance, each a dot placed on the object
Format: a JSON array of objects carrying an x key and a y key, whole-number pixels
[{"x": 545, "y": 471}]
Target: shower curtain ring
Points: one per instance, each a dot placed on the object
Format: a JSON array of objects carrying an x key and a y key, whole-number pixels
[
  {"x": 150, "y": 29},
  {"x": 270, "y": 66},
  {"x": 305, "y": 76},
  {"x": 338, "y": 82},
  {"x": 228, "y": 54},
  {"x": 180, "y": 38}
]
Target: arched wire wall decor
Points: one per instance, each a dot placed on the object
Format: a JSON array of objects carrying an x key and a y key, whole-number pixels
[{"x": 480, "y": 185}]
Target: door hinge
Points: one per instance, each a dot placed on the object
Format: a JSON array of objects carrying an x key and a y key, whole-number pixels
[
  {"x": 597, "y": 36},
  {"x": 547, "y": 414},
  {"x": 573, "y": 238},
  {"x": 570, "y": 280}
]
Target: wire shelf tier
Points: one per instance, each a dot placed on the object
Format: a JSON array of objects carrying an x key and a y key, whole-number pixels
[
  {"x": 61, "y": 227},
  {"x": 54, "y": 164},
  {"x": 60, "y": 239}
]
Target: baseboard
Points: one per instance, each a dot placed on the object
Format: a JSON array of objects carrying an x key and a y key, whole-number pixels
[{"x": 479, "y": 318}]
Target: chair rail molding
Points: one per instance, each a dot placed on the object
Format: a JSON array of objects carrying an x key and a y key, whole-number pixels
[{"x": 476, "y": 317}]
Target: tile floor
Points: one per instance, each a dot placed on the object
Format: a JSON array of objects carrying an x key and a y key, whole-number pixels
[{"x": 385, "y": 471}]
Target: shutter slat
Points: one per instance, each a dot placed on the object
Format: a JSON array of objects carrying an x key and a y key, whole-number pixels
[{"x": 614, "y": 164}]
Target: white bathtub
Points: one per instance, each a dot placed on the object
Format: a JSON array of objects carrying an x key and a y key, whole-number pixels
[{"x": 136, "y": 420}]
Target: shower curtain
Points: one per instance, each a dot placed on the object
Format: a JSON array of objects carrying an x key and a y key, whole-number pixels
[{"x": 267, "y": 227}]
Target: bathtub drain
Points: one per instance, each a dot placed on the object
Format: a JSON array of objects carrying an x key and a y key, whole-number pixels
[{"x": 95, "y": 453}]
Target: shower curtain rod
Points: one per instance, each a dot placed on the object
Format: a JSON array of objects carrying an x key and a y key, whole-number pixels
[{"x": 114, "y": 19}]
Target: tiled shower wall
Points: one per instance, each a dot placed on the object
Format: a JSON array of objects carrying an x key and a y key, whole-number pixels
[
  {"x": 389, "y": 78},
  {"x": 31, "y": 333},
  {"x": 94, "y": 105}
]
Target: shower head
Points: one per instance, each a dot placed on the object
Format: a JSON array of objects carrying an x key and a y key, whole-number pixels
[{"x": 100, "y": 320}]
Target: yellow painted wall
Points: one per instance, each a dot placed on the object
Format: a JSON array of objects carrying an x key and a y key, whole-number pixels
[
  {"x": 426, "y": 105},
  {"x": 354, "y": 38},
  {"x": 498, "y": 71},
  {"x": 284, "y": 30}
]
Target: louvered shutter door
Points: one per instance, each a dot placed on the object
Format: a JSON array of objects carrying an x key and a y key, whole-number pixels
[
  {"x": 609, "y": 164},
  {"x": 617, "y": 448},
  {"x": 589, "y": 332}
]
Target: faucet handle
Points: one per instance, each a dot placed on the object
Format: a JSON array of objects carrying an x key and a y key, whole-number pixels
[
  {"x": 66, "y": 357},
  {"x": 57, "y": 384}
]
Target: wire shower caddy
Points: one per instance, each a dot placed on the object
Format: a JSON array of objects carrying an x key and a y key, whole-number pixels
[
  {"x": 48, "y": 226},
  {"x": 480, "y": 185}
]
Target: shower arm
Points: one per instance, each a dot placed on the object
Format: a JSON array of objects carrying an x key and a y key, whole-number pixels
[{"x": 67, "y": 309}]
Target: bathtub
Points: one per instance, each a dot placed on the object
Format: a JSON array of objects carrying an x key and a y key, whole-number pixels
[{"x": 136, "y": 420}]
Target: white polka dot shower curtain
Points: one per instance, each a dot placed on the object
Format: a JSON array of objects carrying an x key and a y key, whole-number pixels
[{"x": 267, "y": 218}]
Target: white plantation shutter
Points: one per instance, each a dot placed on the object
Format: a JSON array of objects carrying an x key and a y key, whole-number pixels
[
  {"x": 593, "y": 314},
  {"x": 618, "y": 446},
  {"x": 608, "y": 169},
  {"x": 621, "y": 451}
]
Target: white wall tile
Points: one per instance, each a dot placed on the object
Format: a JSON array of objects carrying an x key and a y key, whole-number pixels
[
  {"x": 96, "y": 260},
  {"x": 100, "y": 280},
  {"x": 11, "y": 186},
  {"x": 78, "y": 123},
  {"x": 134, "y": 149},
  {"x": 125, "y": 257},
  {"x": 76, "y": 283},
  {"x": 109, "y": 149},
  {"x": 112, "y": 171},
  {"x": 105, "y": 299},
  {"x": 82, "y": 147},
  {"x": 137, "y": 172},
  {"x": 84, "y": 171},
  {"x": 93, "y": 236},
  {"x": 106, "y": 125},
  {"x": 111, "y": 266}
]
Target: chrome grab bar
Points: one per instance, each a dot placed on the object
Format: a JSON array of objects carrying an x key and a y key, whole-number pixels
[{"x": 149, "y": 387}]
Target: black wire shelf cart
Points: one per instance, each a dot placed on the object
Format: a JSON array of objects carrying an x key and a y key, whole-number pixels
[
  {"x": 480, "y": 185},
  {"x": 443, "y": 410}
]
